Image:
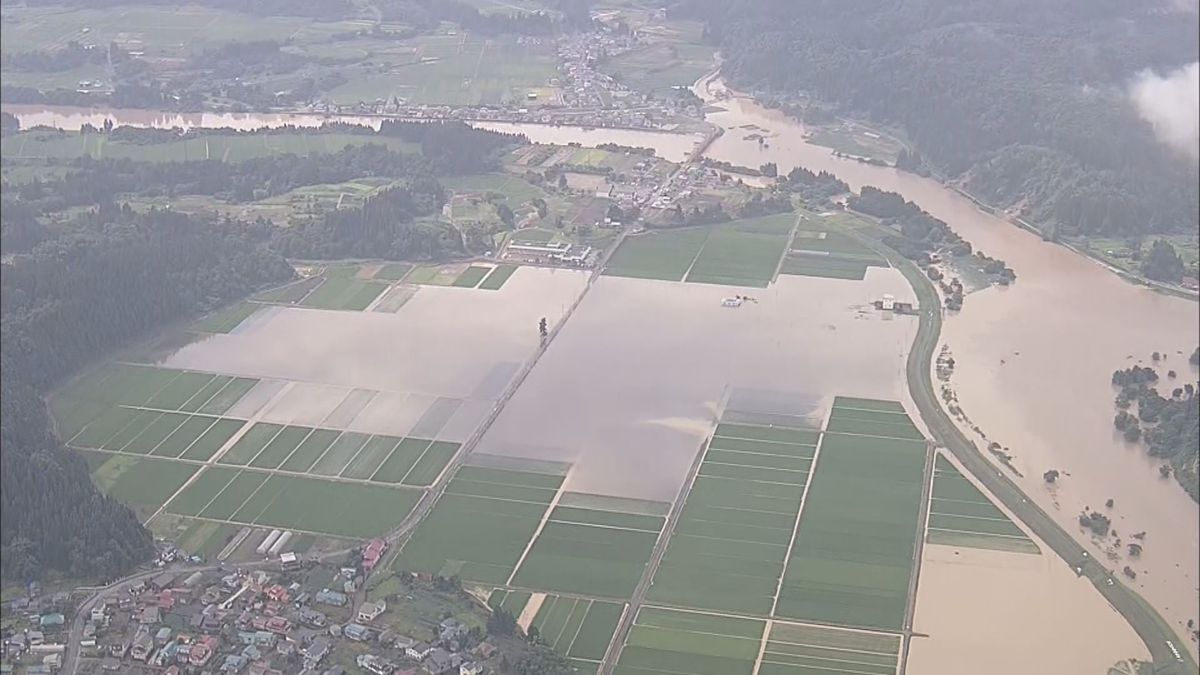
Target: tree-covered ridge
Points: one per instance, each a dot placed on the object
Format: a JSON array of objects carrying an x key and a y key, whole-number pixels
[
  {"x": 1025, "y": 99},
  {"x": 1169, "y": 428},
  {"x": 110, "y": 277}
]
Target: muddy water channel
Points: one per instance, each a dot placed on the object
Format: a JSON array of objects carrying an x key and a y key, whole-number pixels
[{"x": 1033, "y": 360}]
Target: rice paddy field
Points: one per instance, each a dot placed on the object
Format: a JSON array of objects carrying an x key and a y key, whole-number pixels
[
  {"x": 454, "y": 69},
  {"x": 729, "y": 546},
  {"x": 743, "y": 252},
  {"x": 590, "y": 551},
  {"x": 481, "y": 526},
  {"x": 666, "y": 640},
  {"x": 823, "y": 248},
  {"x": 577, "y": 628},
  {"x": 795, "y": 649},
  {"x": 145, "y": 434},
  {"x": 232, "y": 426},
  {"x": 961, "y": 515},
  {"x": 853, "y": 555}
]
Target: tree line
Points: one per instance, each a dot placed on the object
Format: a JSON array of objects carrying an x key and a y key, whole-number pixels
[{"x": 1168, "y": 428}]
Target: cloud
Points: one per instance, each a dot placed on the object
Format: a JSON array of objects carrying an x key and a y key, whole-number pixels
[{"x": 1171, "y": 105}]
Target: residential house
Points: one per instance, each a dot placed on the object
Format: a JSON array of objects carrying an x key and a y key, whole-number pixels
[
  {"x": 317, "y": 651},
  {"x": 438, "y": 661},
  {"x": 356, "y": 632},
  {"x": 418, "y": 651},
  {"x": 142, "y": 647},
  {"x": 328, "y": 597},
  {"x": 471, "y": 668},
  {"x": 369, "y": 611}
]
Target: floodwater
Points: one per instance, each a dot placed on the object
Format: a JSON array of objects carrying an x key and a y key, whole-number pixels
[
  {"x": 1034, "y": 360},
  {"x": 1006, "y": 612},
  {"x": 635, "y": 381},
  {"x": 437, "y": 365}
]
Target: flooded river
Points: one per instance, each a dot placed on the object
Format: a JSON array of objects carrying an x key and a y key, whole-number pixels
[{"x": 1033, "y": 360}]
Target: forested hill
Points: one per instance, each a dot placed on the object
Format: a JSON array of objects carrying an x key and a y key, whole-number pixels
[
  {"x": 112, "y": 276},
  {"x": 1029, "y": 100}
]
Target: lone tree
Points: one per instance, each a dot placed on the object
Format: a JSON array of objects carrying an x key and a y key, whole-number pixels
[
  {"x": 1050, "y": 476},
  {"x": 542, "y": 328}
]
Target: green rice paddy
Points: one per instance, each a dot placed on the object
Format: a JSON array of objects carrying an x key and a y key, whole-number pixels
[
  {"x": 730, "y": 544},
  {"x": 739, "y": 253},
  {"x": 853, "y": 555},
  {"x": 227, "y": 319},
  {"x": 393, "y": 271},
  {"x": 480, "y": 537},
  {"x": 496, "y": 278},
  {"x": 673, "y": 641},
  {"x": 143, "y": 483},
  {"x": 301, "y": 503},
  {"x": 820, "y": 248},
  {"x": 961, "y": 515},
  {"x": 577, "y": 628},
  {"x": 344, "y": 293},
  {"x": 794, "y": 649},
  {"x": 471, "y": 277},
  {"x": 597, "y": 553}
]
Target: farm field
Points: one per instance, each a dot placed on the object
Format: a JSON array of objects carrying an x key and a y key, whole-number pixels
[
  {"x": 852, "y": 558},
  {"x": 590, "y": 552},
  {"x": 740, "y": 253},
  {"x": 289, "y": 294},
  {"x": 664, "y": 255},
  {"x": 143, "y": 483},
  {"x": 158, "y": 31},
  {"x": 821, "y": 249},
  {"x": 453, "y": 70},
  {"x": 480, "y": 527},
  {"x": 272, "y": 475},
  {"x": 344, "y": 293},
  {"x": 673, "y": 641},
  {"x": 729, "y": 546},
  {"x": 495, "y": 279},
  {"x": 795, "y": 649},
  {"x": 226, "y": 319},
  {"x": 577, "y": 628},
  {"x": 513, "y": 189},
  {"x": 46, "y": 144},
  {"x": 961, "y": 515},
  {"x": 301, "y": 503},
  {"x": 460, "y": 276}
]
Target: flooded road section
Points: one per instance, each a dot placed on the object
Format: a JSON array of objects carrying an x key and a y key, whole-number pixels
[
  {"x": 458, "y": 346},
  {"x": 633, "y": 384}
]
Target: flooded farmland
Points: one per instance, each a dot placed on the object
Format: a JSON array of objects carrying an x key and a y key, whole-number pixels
[
  {"x": 1034, "y": 360},
  {"x": 636, "y": 380},
  {"x": 436, "y": 365}
]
